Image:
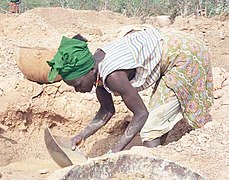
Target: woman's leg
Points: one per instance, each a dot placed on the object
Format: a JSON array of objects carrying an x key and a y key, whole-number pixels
[
  {"x": 153, "y": 143},
  {"x": 164, "y": 113},
  {"x": 156, "y": 142}
]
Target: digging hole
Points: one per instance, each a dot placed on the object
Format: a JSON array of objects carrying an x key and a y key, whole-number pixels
[{"x": 24, "y": 138}]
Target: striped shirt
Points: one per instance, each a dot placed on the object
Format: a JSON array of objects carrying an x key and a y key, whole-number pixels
[{"x": 140, "y": 50}]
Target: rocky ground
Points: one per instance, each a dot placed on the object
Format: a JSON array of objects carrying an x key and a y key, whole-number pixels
[{"x": 28, "y": 107}]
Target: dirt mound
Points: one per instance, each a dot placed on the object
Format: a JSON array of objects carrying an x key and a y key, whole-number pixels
[
  {"x": 29, "y": 29},
  {"x": 3, "y": 16},
  {"x": 215, "y": 34},
  {"x": 66, "y": 20}
]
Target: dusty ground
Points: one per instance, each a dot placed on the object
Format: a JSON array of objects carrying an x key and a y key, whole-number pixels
[{"x": 27, "y": 107}]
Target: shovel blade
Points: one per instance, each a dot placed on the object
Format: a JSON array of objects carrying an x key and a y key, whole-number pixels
[{"x": 60, "y": 150}]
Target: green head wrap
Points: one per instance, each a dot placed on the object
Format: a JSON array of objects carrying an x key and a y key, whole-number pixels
[
  {"x": 72, "y": 60},
  {"x": 14, "y": 1}
]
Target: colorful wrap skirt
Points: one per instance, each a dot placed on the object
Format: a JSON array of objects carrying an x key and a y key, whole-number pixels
[{"x": 184, "y": 89}]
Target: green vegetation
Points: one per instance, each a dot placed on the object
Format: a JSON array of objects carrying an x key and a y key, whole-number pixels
[{"x": 130, "y": 7}]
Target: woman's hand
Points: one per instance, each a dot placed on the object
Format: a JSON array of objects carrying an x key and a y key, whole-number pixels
[{"x": 77, "y": 140}]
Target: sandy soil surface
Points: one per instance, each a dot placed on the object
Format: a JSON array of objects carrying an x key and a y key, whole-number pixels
[{"x": 28, "y": 107}]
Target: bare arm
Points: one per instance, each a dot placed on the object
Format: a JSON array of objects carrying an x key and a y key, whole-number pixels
[
  {"x": 104, "y": 114},
  {"x": 118, "y": 82}
]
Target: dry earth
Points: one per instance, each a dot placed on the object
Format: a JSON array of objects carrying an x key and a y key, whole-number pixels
[{"x": 28, "y": 107}]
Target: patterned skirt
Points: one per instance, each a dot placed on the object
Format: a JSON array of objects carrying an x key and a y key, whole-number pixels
[{"x": 187, "y": 77}]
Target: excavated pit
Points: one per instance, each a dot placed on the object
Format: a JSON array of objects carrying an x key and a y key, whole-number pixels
[{"x": 31, "y": 109}]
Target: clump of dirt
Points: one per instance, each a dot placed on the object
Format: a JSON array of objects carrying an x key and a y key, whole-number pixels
[{"x": 28, "y": 107}]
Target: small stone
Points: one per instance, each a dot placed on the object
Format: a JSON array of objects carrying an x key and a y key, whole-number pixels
[
  {"x": 217, "y": 103},
  {"x": 222, "y": 36},
  {"x": 44, "y": 171},
  {"x": 225, "y": 142},
  {"x": 211, "y": 125},
  {"x": 201, "y": 139},
  {"x": 218, "y": 77},
  {"x": 207, "y": 145},
  {"x": 43, "y": 28},
  {"x": 225, "y": 129},
  {"x": 218, "y": 93},
  {"x": 179, "y": 149},
  {"x": 192, "y": 132},
  {"x": 226, "y": 75},
  {"x": 4, "y": 127},
  {"x": 194, "y": 153},
  {"x": 188, "y": 143},
  {"x": 124, "y": 110},
  {"x": 226, "y": 83}
]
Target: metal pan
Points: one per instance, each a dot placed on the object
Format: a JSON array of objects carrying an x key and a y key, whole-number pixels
[{"x": 60, "y": 150}]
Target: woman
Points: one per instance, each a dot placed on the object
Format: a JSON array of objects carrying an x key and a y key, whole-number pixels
[
  {"x": 173, "y": 64},
  {"x": 14, "y": 6}
]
